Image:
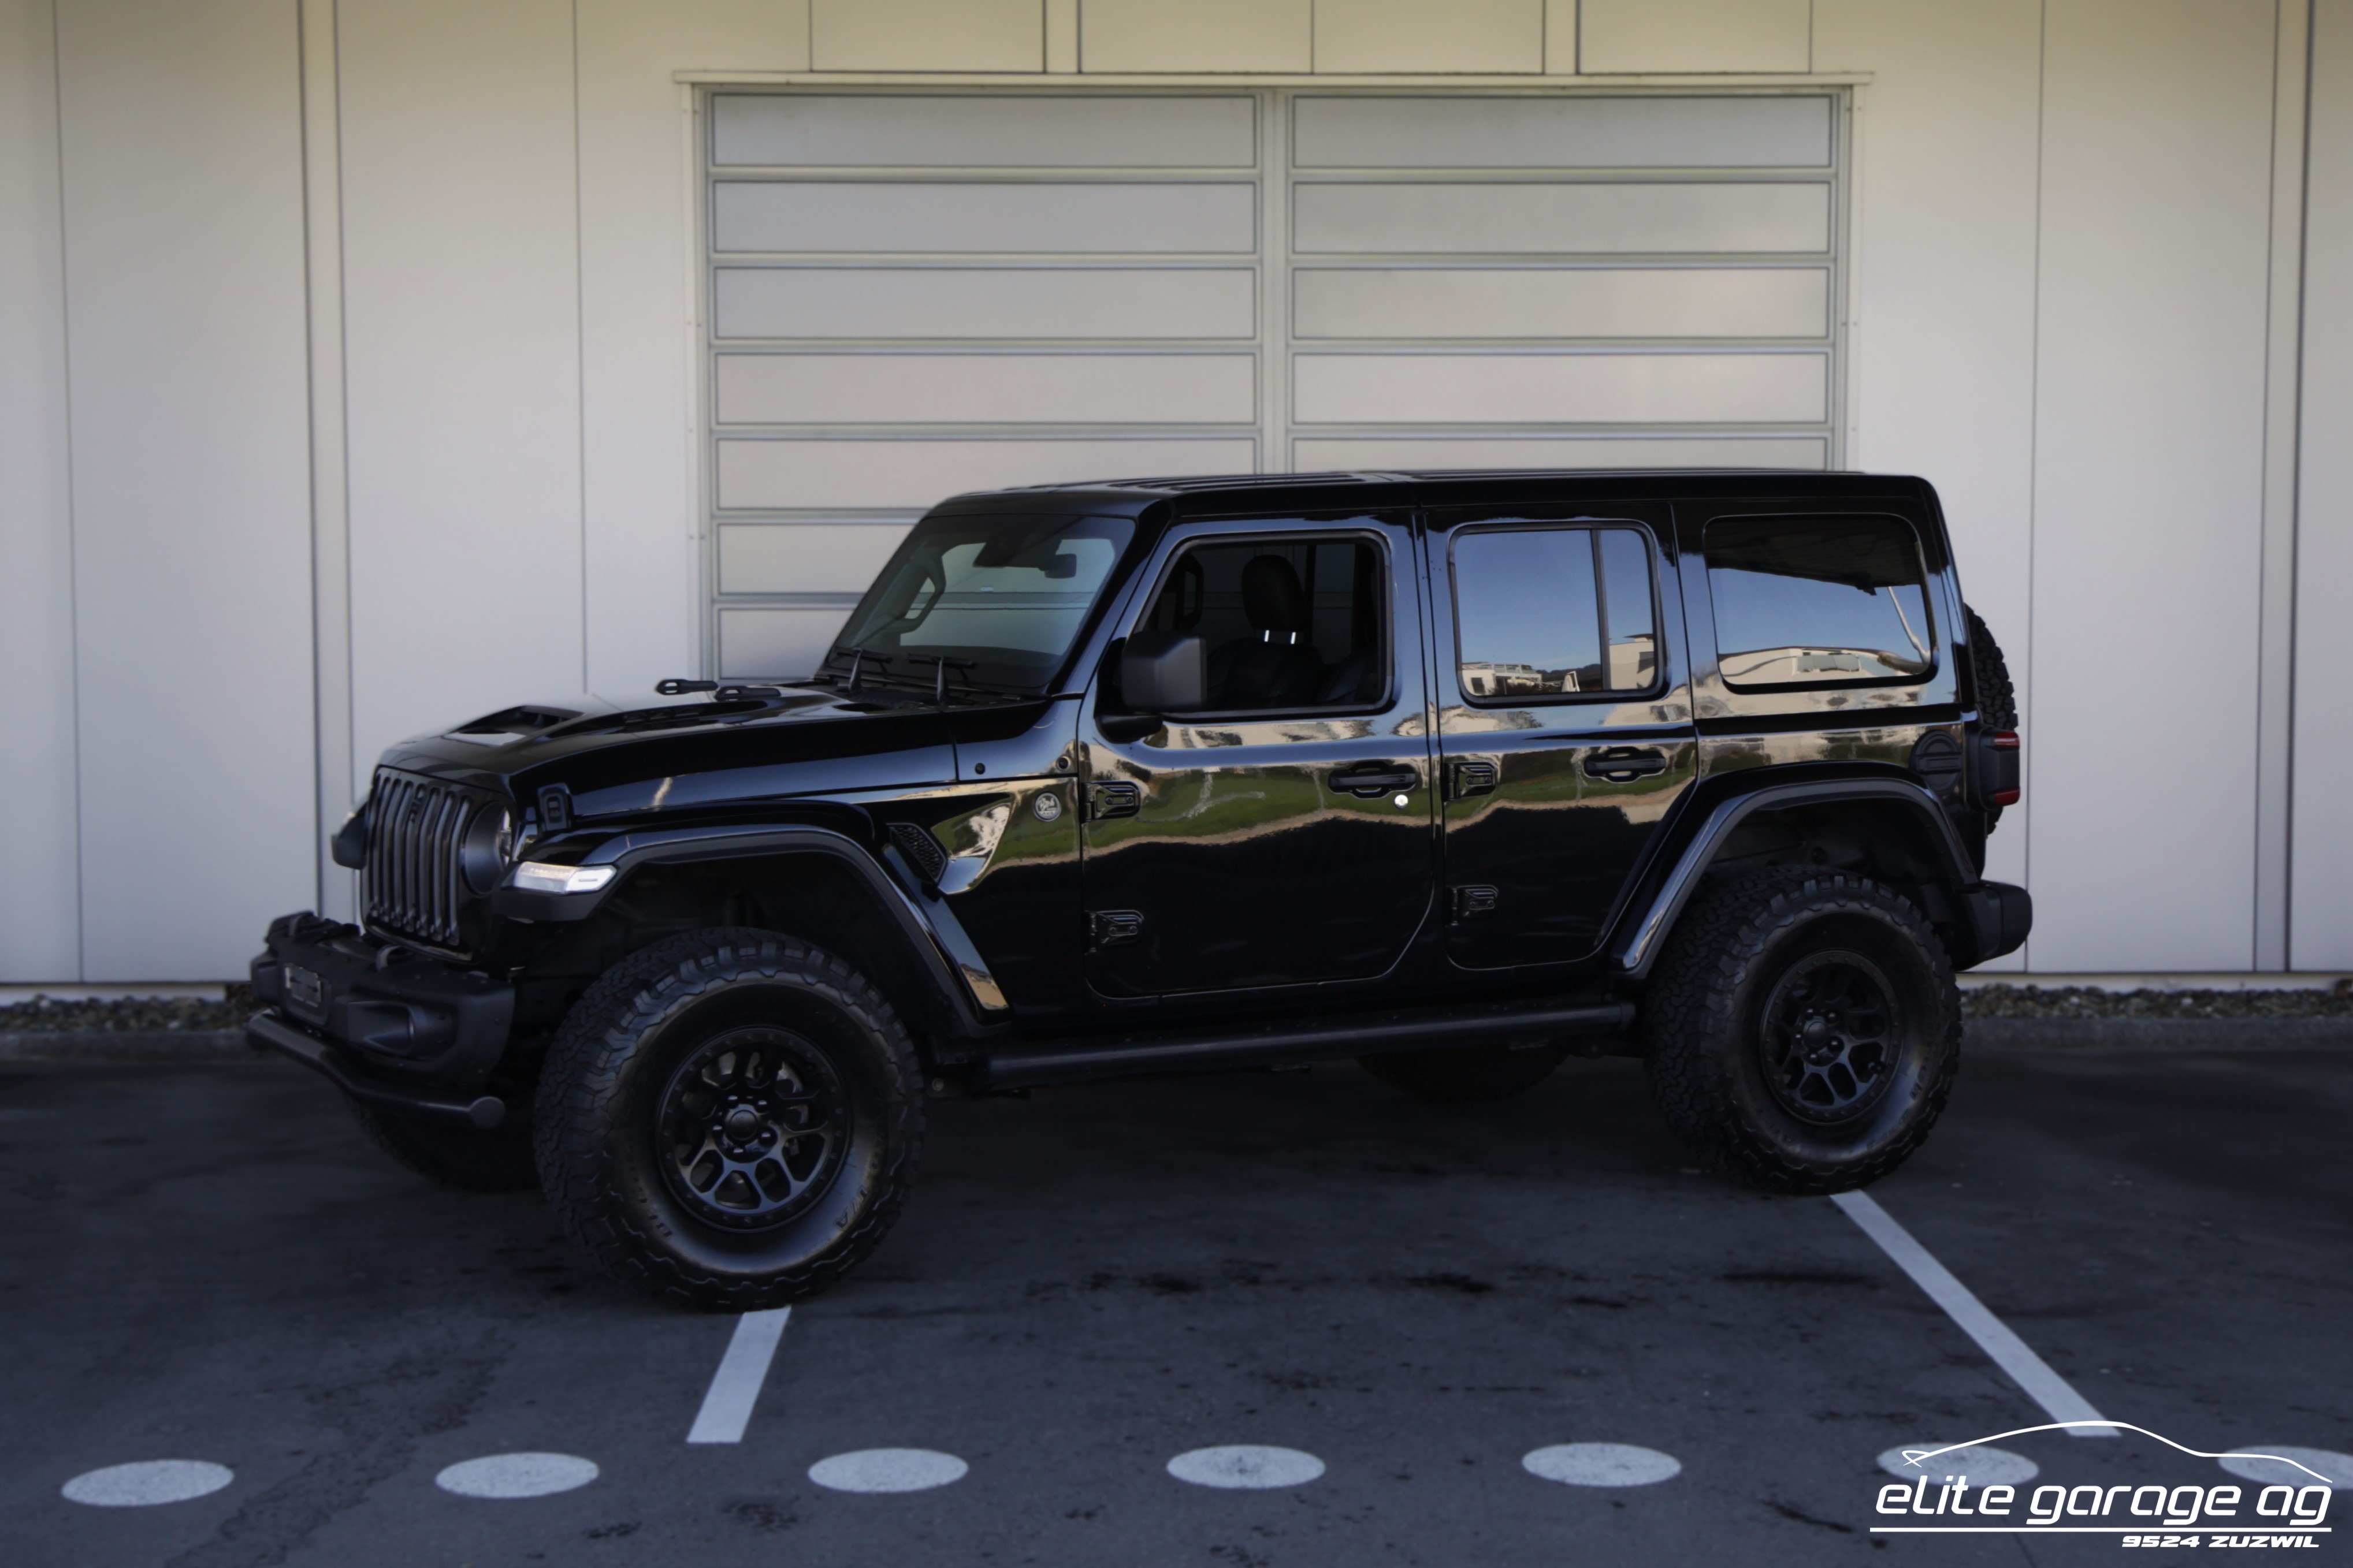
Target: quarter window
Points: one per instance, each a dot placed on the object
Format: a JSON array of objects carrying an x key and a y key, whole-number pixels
[
  {"x": 1543, "y": 612},
  {"x": 1817, "y": 601}
]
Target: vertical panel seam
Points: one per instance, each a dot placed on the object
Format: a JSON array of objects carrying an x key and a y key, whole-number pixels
[
  {"x": 2034, "y": 431},
  {"x": 73, "y": 509},
  {"x": 580, "y": 342},
  {"x": 2295, "y": 487}
]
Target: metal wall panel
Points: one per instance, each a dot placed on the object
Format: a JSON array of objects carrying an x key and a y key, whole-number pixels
[
  {"x": 970, "y": 130},
  {"x": 40, "y": 915},
  {"x": 190, "y": 403},
  {"x": 1466, "y": 133},
  {"x": 1561, "y": 302},
  {"x": 1562, "y": 388},
  {"x": 919, "y": 217},
  {"x": 804, "y": 557},
  {"x": 1039, "y": 304},
  {"x": 1388, "y": 454},
  {"x": 912, "y": 473},
  {"x": 2320, "y": 912},
  {"x": 1636, "y": 280},
  {"x": 981, "y": 389},
  {"x": 2148, "y": 481},
  {"x": 1527, "y": 217}
]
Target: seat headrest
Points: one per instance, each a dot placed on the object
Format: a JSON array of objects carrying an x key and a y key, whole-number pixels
[{"x": 1271, "y": 596}]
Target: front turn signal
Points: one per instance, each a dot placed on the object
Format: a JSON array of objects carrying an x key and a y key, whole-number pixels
[{"x": 539, "y": 877}]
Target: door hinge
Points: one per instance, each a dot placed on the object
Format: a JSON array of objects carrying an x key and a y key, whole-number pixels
[
  {"x": 1118, "y": 798},
  {"x": 1466, "y": 777},
  {"x": 1471, "y": 902},
  {"x": 1115, "y": 928}
]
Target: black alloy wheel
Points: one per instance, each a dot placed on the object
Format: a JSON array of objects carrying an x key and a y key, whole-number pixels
[
  {"x": 730, "y": 1119},
  {"x": 1828, "y": 1035},
  {"x": 752, "y": 1124},
  {"x": 1802, "y": 1029}
]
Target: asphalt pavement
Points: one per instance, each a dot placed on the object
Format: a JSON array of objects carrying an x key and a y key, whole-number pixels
[{"x": 210, "y": 1265}]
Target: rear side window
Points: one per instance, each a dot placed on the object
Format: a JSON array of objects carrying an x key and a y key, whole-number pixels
[
  {"x": 1546, "y": 612},
  {"x": 1817, "y": 601}
]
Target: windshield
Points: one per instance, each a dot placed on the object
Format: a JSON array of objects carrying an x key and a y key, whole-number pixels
[{"x": 1001, "y": 598}]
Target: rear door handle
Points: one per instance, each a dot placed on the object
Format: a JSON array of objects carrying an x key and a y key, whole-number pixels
[
  {"x": 1372, "y": 779},
  {"x": 1619, "y": 763}
]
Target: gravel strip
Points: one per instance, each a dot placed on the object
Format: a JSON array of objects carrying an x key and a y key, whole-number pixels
[
  {"x": 131, "y": 1014},
  {"x": 2090, "y": 1002}
]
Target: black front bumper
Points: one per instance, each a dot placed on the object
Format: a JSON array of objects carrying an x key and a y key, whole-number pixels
[{"x": 393, "y": 1027}]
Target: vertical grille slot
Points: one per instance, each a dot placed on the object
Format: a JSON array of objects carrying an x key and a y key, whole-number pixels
[{"x": 416, "y": 830}]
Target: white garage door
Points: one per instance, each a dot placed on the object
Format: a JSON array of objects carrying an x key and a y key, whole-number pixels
[{"x": 915, "y": 294}]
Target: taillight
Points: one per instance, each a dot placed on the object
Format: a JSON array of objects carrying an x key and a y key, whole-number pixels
[{"x": 2007, "y": 784}]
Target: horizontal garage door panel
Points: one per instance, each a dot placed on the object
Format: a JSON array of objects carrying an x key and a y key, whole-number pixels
[
  {"x": 919, "y": 473},
  {"x": 835, "y": 130},
  {"x": 979, "y": 388},
  {"x": 1556, "y": 132},
  {"x": 1528, "y": 217},
  {"x": 777, "y": 642},
  {"x": 1570, "y": 302},
  {"x": 804, "y": 557},
  {"x": 1040, "y": 302},
  {"x": 1564, "y": 389},
  {"x": 1348, "y": 456},
  {"x": 984, "y": 217}
]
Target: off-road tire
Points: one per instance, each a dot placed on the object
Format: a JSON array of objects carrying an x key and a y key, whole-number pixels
[
  {"x": 499, "y": 1161},
  {"x": 1703, "y": 1018},
  {"x": 602, "y": 1089},
  {"x": 1997, "y": 698},
  {"x": 1464, "y": 1075}
]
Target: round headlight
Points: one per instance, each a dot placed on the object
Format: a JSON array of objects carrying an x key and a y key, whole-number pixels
[{"x": 482, "y": 853}]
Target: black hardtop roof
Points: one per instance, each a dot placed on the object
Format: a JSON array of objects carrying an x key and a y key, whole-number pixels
[{"x": 1221, "y": 492}]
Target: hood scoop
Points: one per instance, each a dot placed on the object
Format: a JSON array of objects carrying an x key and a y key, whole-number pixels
[{"x": 509, "y": 724}]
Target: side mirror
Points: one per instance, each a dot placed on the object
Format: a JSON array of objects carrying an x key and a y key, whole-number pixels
[{"x": 1164, "y": 672}]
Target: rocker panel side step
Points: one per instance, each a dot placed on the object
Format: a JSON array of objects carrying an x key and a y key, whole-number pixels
[{"x": 1021, "y": 1067}]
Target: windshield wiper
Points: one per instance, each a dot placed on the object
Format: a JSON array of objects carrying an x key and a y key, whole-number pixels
[
  {"x": 858, "y": 658},
  {"x": 941, "y": 663}
]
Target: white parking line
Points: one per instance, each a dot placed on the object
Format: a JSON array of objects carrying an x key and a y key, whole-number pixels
[
  {"x": 2026, "y": 1369},
  {"x": 735, "y": 1386}
]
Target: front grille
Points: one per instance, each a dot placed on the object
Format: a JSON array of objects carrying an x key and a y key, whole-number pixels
[{"x": 417, "y": 827}]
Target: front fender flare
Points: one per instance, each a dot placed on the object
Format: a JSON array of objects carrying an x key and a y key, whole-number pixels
[{"x": 932, "y": 929}]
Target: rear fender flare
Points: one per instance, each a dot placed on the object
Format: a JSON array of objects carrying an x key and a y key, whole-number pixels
[{"x": 1643, "y": 933}]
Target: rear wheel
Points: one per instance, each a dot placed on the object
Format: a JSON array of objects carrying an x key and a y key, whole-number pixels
[
  {"x": 730, "y": 1119},
  {"x": 1465, "y": 1075},
  {"x": 1803, "y": 1029},
  {"x": 497, "y": 1161}
]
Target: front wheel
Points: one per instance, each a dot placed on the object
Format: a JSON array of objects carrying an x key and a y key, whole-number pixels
[
  {"x": 730, "y": 1119},
  {"x": 1803, "y": 1029}
]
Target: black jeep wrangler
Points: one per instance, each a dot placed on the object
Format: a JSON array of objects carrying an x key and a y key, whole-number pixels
[{"x": 1453, "y": 774}]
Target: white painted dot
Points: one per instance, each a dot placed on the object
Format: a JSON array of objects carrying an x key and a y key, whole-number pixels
[
  {"x": 1984, "y": 1467},
  {"x": 1601, "y": 1465},
  {"x": 147, "y": 1483},
  {"x": 1245, "y": 1467},
  {"x": 505, "y": 1475},
  {"x": 2337, "y": 1467},
  {"x": 888, "y": 1470}
]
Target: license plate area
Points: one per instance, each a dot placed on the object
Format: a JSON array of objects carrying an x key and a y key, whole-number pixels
[{"x": 306, "y": 995}]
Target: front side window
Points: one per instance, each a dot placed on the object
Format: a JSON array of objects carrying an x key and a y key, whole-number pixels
[
  {"x": 1548, "y": 613},
  {"x": 1813, "y": 601},
  {"x": 1001, "y": 598},
  {"x": 1287, "y": 624}
]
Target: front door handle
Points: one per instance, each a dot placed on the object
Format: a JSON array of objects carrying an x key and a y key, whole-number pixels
[
  {"x": 1619, "y": 763},
  {"x": 1369, "y": 781}
]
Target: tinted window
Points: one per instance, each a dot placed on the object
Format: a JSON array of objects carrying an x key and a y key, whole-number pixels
[
  {"x": 1807, "y": 601},
  {"x": 1001, "y": 598},
  {"x": 1536, "y": 608},
  {"x": 1288, "y": 623}
]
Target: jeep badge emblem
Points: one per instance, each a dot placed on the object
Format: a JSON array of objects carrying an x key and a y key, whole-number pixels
[{"x": 1047, "y": 804}]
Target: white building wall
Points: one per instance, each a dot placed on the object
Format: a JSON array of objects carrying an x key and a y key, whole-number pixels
[
  {"x": 40, "y": 881},
  {"x": 2320, "y": 924},
  {"x": 2060, "y": 228},
  {"x": 187, "y": 395}
]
